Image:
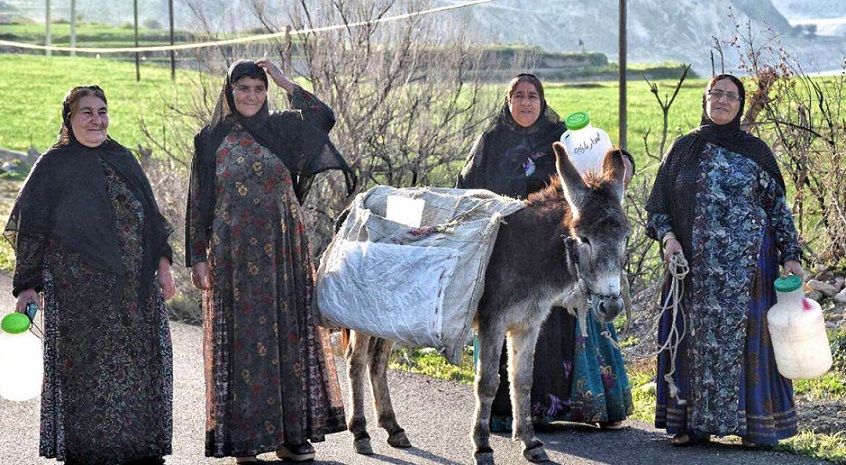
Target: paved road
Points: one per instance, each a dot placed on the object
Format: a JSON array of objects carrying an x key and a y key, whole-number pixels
[{"x": 435, "y": 413}]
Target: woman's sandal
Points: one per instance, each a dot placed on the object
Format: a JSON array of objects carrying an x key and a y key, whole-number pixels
[
  {"x": 687, "y": 440},
  {"x": 749, "y": 444},
  {"x": 296, "y": 452},
  {"x": 611, "y": 425},
  {"x": 246, "y": 459}
]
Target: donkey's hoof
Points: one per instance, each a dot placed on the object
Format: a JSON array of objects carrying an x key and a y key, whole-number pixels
[
  {"x": 536, "y": 453},
  {"x": 399, "y": 439},
  {"x": 362, "y": 446},
  {"x": 484, "y": 457}
]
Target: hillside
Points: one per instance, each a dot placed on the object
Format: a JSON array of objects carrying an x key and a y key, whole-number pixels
[{"x": 658, "y": 30}]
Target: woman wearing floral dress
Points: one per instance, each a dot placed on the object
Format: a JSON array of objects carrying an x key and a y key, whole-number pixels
[
  {"x": 271, "y": 383},
  {"x": 719, "y": 200},
  {"x": 89, "y": 238}
]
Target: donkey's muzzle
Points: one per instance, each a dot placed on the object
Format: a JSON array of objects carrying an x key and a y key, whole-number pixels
[{"x": 608, "y": 307}]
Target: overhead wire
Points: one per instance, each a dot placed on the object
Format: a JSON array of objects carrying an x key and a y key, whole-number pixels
[{"x": 240, "y": 40}]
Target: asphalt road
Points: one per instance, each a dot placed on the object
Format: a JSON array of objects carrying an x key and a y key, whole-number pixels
[{"x": 435, "y": 413}]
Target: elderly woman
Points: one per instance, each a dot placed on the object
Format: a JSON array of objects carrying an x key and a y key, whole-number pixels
[
  {"x": 271, "y": 384},
  {"x": 89, "y": 238},
  {"x": 719, "y": 201},
  {"x": 575, "y": 378}
]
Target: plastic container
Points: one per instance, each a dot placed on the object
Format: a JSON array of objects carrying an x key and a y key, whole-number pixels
[
  {"x": 797, "y": 330},
  {"x": 21, "y": 359},
  {"x": 586, "y": 144}
]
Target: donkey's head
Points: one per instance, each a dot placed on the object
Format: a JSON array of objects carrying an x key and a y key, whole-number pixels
[{"x": 597, "y": 227}]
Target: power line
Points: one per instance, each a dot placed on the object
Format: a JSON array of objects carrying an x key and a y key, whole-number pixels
[{"x": 255, "y": 38}]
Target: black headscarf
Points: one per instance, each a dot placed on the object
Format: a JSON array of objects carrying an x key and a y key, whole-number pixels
[
  {"x": 497, "y": 160},
  {"x": 65, "y": 199},
  {"x": 305, "y": 148},
  {"x": 684, "y": 154}
]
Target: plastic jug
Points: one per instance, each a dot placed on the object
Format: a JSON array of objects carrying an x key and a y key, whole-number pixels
[
  {"x": 586, "y": 144},
  {"x": 21, "y": 359},
  {"x": 797, "y": 330}
]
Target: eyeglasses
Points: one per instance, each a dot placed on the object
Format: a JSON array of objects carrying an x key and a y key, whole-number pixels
[{"x": 717, "y": 94}]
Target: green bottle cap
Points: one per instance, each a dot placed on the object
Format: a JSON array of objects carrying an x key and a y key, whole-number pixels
[
  {"x": 15, "y": 323},
  {"x": 788, "y": 284},
  {"x": 577, "y": 120}
]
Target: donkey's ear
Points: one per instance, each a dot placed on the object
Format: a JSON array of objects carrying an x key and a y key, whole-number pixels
[
  {"x": 614, "y": 170},
  {"x": 571, "y": 181}
]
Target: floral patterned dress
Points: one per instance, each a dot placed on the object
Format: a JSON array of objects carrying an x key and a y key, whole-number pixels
[
  {"x": 269, "y": 379},
  {"x": 725, "y": 368},
  {"x": 107, "y": 393}
]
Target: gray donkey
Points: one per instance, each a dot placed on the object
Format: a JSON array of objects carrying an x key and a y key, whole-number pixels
[{"x": 565, "y": 248}]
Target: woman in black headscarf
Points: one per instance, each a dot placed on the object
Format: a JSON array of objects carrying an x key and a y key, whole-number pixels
[
  {"x": 575, "y": 378},
  {"x": 719, "y": 200},
  {"x": 271, "y": 383},
  {"x": 89, "y": 238}
]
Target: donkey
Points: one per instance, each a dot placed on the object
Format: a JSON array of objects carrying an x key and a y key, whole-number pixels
[{"x": 565, "y": 248}]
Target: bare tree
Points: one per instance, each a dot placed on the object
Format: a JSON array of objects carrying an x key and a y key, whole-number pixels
[
  {"x": 408, "y": 95},
  {"x": 802, "y": 118}
]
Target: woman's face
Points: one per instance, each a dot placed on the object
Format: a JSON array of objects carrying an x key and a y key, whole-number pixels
[
  {"x": 525, "y": 104},
  {"x": 249, "y": 94},
  {"x": 90, "y": 121},
  {"x": 722, "y": 102}
]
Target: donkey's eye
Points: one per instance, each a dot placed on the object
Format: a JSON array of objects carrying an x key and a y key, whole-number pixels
[{"x": 584, "y": 240}]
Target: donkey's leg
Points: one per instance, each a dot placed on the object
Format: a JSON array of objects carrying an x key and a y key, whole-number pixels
[
  {"x": 521, "y": 357},
  {"x": 491, "y": 335},
  {"x": 357, "y": 355},
  {"x": 380, "y": 353}
]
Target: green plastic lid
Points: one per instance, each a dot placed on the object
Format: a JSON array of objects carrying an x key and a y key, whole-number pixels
[
  {"x": 15, "y": 323},
  {"x": 788, "y": 284},
  {"x": 577, "y": 120}
]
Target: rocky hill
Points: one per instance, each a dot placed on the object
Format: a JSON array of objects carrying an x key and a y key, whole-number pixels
[{"x": 658, "y": 30}]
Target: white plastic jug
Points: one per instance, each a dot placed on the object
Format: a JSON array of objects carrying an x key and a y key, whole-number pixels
[
  {"x": 797, "y": 330},
  {"x": 586, "y": 144},
  {"x": 21, "y": 359}
]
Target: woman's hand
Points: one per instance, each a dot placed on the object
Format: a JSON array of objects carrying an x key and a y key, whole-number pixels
[
  {"x": 275, "y": 73},
  {"x": 165, "y": 279},
  {"x": 200, "y": 276},
  {"x": 671, "y": 247},
  {"x": 26, "y": 296},
  {"x": 793, "y": 267}
]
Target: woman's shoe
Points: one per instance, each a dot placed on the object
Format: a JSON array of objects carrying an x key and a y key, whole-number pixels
[
  {"x": 687, "y": 440},
  {"x": 246, "y": 459},
  {"x": 749, "y": 444},
  {"x": 611, "y": 425},
  {"x": 296, "y": 452}
]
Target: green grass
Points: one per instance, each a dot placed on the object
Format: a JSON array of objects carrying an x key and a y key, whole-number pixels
[{"x": 32, "y": 88}]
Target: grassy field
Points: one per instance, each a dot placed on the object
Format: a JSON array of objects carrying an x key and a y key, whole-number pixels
[{"x": 32, "y": 88}]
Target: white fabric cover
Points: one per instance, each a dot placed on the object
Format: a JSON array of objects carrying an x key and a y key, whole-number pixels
[{"x": 416, "y": 286}]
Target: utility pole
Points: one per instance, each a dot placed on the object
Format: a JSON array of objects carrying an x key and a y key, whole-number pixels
[
  {"x": 137, "y": 55},
  {"x": 172, "y": 51},
  {"x": 48, "y": 39},
  {"x": 622, "y": 53},
  {"x": 73, "y": 28}
]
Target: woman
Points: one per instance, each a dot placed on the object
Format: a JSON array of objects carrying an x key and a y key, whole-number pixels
[
  {"x": 271, "y": 383},
  {"x": 719, "y": 200},
  {"x": 575, "y": 378},
  {"x": 88, "y": 236}
]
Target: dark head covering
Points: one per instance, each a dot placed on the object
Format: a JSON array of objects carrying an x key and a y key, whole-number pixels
[
  {"x": 304, "y": 148},
  {"x": 684, "y": 155},
  {"x": 65, "y": 199},
  {"x": 498, "y": 160},
  {"x": 733, "y": 137}
]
